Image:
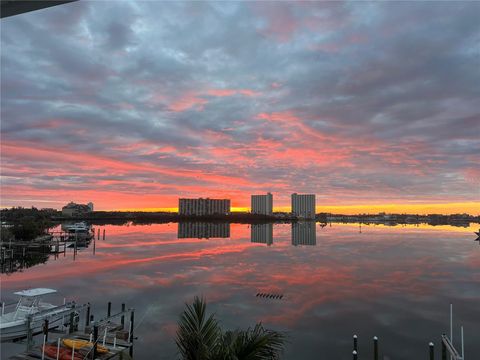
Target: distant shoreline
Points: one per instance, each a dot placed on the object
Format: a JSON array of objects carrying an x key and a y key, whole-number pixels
[{"x": 166, "y": 217}]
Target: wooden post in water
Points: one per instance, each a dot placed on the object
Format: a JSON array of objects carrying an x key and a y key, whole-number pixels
[
  {"x": 70, "y": 325},
  {"x": 103, "y": 234},
  {"x": 29, "y": 332},
  {"x": 432, "y": 355},
  {"x": 95, "y": 340},
  {"x": 98, "y": 234},
  {"x": 45, "y": 329},
  {"x": 122, "y": 319},
  {"x": 87, "y": 317},
  {"x": 375, "y": 348},
  {"x": 355, "y": 356},
  {"x": 109, "y": 309},
  {"x": 444, "y": 351},
  {"x": 130, "y": 339},
  {"x": 355, "y": 342}
]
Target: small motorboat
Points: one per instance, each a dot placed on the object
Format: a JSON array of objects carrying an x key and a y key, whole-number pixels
[
  {"x": 78, "y": 231},
  {"x": 30, "y": 308}
]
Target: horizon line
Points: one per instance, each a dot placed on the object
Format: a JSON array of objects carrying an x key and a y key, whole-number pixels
[{"x": 470, "y": 208}]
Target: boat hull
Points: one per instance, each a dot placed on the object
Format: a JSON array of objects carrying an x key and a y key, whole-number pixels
[{"x": 18, "y": 329}]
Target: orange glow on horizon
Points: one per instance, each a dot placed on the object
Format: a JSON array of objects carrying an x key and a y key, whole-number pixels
[{"x": 472, "y": 208}]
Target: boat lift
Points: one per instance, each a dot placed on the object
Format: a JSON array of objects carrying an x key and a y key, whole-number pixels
[{"x": 447, "y": 343}]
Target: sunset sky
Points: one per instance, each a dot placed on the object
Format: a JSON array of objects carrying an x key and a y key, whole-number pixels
[{"x": 130, "y": 105}]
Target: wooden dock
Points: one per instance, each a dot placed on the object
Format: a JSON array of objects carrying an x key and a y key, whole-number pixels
[{"x": 111, "y": 332}]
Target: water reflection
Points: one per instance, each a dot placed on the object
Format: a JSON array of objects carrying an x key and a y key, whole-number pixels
[
  {"x": 304, "y": 233},
  {"x": 261, "y": 233},
  {"x": 203, "y": 230},
  {"x": 392, "y": 282},
  {"x": 17, "y": 260}
]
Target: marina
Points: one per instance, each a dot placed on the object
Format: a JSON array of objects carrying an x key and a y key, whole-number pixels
[{"x": 62, "y": 333}]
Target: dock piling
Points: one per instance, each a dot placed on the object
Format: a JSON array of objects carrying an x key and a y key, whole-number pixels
[
  {"x": 109, "y": 309},
  {"x": 70, "y": 324},
  {"x": 95, "y": 340},
  {"x": 29, "y": 332},
  {"x": 45, "y": 330},
  {"x": 122, "y": 319},
  {"x": 444, "y": 350},
  {"x": 355, "y": 355},
  {"x": 103, "y": 234},
  {"x": 375, "y": 348},
  {"x": 87, "y": 317},
  {"x": 130, "y": 338},
  {"x": 98, "y": 234},
  {"x": 432, "y": 355},
  {"x": 355, "y": 343}
]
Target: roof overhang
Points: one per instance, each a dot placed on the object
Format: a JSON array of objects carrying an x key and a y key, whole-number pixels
[{"x": 16, "y": 7}]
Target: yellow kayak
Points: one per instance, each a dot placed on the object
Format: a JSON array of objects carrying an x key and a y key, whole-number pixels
[{"x": 78, "y": 344}]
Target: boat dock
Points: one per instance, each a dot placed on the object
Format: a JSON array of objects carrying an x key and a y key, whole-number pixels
[{"x": 111, "y": 337}]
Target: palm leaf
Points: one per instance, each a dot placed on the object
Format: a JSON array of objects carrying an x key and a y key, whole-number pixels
[{"x": 197, "y": 335}]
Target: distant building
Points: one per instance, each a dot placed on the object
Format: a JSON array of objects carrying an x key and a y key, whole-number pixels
[
  {"x": 262, "y": 204},
  {"x": 261, "y": 233},
  {"x": 303, "y": 206},
  {"x": 304, "y": 233},
  {"x": 201, "y": 206},
  {"x": 203, "y": 230},
  {"x": 73, "y": 209}
]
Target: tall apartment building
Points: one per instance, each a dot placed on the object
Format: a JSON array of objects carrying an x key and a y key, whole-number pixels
[
  {"x": 262, "y": 204},
  {"x": 304, "y": 233},
  {"x": 262, "y": 233},
  {"x": 303, "y": 205},
  {"x": 201, "y": 206}
]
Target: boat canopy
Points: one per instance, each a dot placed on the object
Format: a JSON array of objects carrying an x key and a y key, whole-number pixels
[{"x": 35, "y": 292}]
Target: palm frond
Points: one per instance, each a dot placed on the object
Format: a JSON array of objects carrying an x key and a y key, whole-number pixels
[{"x": 197, "y": 335}]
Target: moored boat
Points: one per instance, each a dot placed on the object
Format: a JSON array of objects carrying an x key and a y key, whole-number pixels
[{"x": 31, "y": 311}]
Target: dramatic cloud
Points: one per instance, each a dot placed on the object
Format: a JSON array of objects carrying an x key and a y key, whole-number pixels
[{"x": 133, "y": 104}]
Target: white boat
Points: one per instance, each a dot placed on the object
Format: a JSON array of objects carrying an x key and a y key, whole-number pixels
[
  {"x": 78, "y": 231},
  {"x": 30, "y": 308}
]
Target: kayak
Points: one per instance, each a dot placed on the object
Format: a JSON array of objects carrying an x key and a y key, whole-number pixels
[
  {"x": 79, "y": 343},
  {"x": 63, "y": 353}
]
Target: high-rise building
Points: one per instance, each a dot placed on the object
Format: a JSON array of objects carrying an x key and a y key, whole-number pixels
[
  {"x": 262, "y": 204},
  {"x": 262, "y": 233},
  {"x": 304, "y": 233},
  {"x": 201, "y": 206},
  {"x": 203, "y": 230},
  {"x": 303, "y": 205}
]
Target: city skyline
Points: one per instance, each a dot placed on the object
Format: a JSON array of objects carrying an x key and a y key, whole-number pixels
[{"x": 231, "y": 99}]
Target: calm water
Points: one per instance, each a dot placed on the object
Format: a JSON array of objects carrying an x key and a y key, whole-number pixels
[{"x": 393, "y": 282}]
